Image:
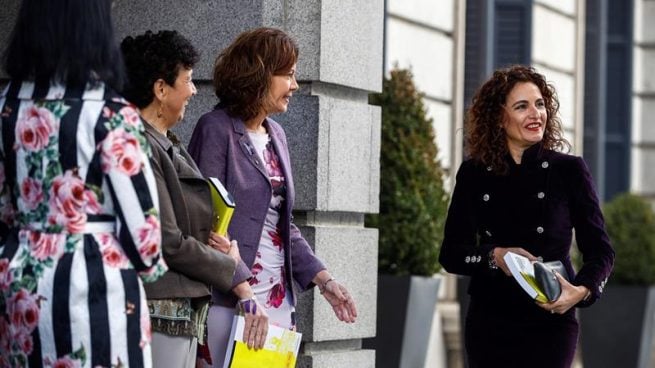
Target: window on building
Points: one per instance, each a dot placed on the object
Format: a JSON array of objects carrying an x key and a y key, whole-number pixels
[
  {"x": 498, "y": 33},
  {"x": 608, "y": 91}
]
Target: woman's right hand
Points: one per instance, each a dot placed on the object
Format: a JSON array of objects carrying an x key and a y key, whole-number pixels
[
  {"x": 256, "y": 327},
  {"x": 499, "y": 253}
]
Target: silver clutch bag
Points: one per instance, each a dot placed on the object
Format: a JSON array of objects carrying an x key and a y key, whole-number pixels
[{"x": 544, "y": 273}]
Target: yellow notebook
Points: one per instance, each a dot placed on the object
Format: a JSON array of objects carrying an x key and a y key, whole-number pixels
[
  {"x": 523, "y": 272},
  {"x": 280, "y": 349},
  {"x": 223, "y": 204}
]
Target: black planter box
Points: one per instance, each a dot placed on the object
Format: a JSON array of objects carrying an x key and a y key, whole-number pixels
[
  {"x": 617, "y": 331},
  {"x": 405, "y": 307}
]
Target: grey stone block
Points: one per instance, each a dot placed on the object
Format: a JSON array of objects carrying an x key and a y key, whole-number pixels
[
  {"x": 304, "y": 25},
  {"x": 301, "y": 124},
  {"x": 354, "y": 158},
  {"x": 335, "y": 152},
  {"x": 339, "y": 359},
  {"x": 210, "y": 24},
  {"x": 8, "y": 12},
  {"x": 351, "y": 43},
  {"x": 340, "y": 41},
  {"x": 350, "y": 253}
]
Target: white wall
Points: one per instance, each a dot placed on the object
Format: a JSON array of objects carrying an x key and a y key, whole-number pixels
[
  {"x": 419, "y": 36},
  {"x": 643, "y": 101},
  {"x": 556, "y": 54}
]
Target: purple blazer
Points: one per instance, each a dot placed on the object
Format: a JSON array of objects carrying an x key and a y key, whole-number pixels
[{"x": 222, "y": 149}]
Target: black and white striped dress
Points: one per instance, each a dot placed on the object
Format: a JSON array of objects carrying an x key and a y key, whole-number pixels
[{"x": 80, "y": 228}]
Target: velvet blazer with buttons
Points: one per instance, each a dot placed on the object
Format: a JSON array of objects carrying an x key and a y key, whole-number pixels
[
  {"x": 186, "y": 213},
  {"x": 536, "y": 206},
  {"x": 222, "y": 149}
]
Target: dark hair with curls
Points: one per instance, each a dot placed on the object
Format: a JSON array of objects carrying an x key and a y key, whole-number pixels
[
  {"x": 243, "y": 71},
  {"x": 485, "y": 139},
  {"x": 66, "y": 41},
  {"x": 151, "y": 56}
]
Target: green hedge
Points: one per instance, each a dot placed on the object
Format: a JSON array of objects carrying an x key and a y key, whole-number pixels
[
  {"x": 413, "y": 203},
  {"x": 630, "y": 224}
]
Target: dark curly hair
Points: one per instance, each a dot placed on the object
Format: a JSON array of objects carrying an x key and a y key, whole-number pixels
[
  {"x": 152, "y": 56},
  {"x": 243, "y": 71},
  {"x": 486, "y": 141}
]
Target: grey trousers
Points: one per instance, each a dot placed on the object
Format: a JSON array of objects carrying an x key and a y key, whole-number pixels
[
  {"x": 173, "y": 351},
  {"x": 219, "y": 324}
]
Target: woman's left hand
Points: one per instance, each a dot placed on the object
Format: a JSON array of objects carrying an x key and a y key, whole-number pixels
[
  {"x": 219, "y": 242},
  {"x": 570, "y": 296},
  {"x": 341, "y": 301}
]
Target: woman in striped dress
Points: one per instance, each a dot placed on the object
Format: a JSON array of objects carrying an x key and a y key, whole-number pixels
[{"x": 78, "y": 205}]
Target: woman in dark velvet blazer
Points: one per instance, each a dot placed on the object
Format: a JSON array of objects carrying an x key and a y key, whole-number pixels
[
  {"x": 239, "y": 144},
  {"x": 518, "y": 193}
]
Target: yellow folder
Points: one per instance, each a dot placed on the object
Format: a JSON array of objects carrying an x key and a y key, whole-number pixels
[
  {"x": 280, "y": 348},
  {"x": 223, "y": 204}
]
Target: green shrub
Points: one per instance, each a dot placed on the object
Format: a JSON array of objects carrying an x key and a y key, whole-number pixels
[
  {"x": 413, "y": 203},
  {"x": 630, "y": 223}
]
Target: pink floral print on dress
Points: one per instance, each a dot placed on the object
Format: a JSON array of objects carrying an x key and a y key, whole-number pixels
[
  {"x": 149, "y": 237},
  {"x": 276, "y": 239},
  {"x": 121, "y": 150},
  {"x": 34, "y": 128},
  {"x": 112, "y": 253},
  {"x": 31, "y": 193},
  {"x": 6, "y": 277},
  {"x": 69, "y": 199},
  {"x": 45, "y": 246}
]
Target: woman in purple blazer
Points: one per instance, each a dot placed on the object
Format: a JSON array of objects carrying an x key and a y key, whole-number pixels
[
  {"x": 240, "y": 145},
  {"x": 518, "y": 193}
]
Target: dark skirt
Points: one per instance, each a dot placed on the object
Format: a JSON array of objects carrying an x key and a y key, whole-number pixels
[{"x": 528, "y": 338}]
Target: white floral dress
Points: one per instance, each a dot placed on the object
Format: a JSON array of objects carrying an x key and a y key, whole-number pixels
[
  {"x": 80, "y": 229},
  {"x": 268, "y": 281}
]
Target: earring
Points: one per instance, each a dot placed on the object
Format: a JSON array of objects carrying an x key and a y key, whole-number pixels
[{"x": 159, "y": 111}]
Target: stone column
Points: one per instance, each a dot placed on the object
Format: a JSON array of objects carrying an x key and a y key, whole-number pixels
[{"x": 333, "y": 134}]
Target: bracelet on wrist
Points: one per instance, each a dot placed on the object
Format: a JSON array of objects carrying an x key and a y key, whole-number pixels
[
  {"x": 248, "y": 305},
  {"x": 246, "y": 299},
  {"x": 492, "y": 260},
  {"x": 321, "y": 288}
]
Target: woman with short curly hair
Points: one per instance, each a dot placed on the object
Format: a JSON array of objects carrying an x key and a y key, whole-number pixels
[
  {"x": 517, "y": 193},
  {"x": 160, "y": 67}
]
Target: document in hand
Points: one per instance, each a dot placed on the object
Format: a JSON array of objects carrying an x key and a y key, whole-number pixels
[
  {"x": 280, "y": 349},
  {"x": 223, "y": 204},
  {"x": 523, "y": 272}
]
